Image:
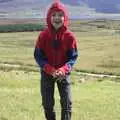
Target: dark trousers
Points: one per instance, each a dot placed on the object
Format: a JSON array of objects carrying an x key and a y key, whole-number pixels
[{"x": 47, "y": 92}]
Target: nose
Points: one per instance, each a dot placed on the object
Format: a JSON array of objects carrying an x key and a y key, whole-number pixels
[{"x": 56, "y": 17}]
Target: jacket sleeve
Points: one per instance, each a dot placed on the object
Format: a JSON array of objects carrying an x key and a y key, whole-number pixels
[
  {"x": 40, "y": 56},
  {"x": 72, "y": 55}
]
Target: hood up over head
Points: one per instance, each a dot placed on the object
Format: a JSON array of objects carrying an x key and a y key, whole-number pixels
[{"x": 57, "y": 6}]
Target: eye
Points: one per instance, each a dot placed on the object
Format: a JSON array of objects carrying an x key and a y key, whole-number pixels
[{"x": 61, "y": 14}]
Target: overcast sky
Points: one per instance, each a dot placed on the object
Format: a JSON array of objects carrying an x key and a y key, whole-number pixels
[{"x": 77, "y": 8}]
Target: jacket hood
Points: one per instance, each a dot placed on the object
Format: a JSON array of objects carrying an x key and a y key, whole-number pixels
[{"x": 57, "y": 6}]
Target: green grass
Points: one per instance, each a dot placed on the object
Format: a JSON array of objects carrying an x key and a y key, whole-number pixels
[
  {"x": 20, "y": 97},
  {"x": 95, "y": 99},
  {"x": 21, "y": 27},
  {"x": 98, "y": 50},
  {"x": 100, "y": 101},
  {"x": 92, "y": 100}
]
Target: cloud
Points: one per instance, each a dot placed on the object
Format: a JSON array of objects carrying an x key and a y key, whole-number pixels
[
  {"x": 37, "y": 9},
  {"x": 4, "y": 1},
  {"x": 85, "y": 12},
  {"x": 79, "y": 10},
  {"x": 118, "y": 7}
]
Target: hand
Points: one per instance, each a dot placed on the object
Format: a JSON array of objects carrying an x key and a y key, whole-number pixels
[{"x": 58, "y": 75}]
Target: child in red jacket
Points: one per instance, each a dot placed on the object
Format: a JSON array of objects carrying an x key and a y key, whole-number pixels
[{"x": 56, "y": 52}]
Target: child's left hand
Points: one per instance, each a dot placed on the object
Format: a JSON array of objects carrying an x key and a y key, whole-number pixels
[{"x": 59, "y": 75}]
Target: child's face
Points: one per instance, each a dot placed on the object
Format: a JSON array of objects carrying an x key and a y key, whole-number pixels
[{"x": 57, "y": 19}]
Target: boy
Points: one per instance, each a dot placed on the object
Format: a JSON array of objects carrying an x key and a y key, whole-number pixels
[{"x": 56, "y": 52}]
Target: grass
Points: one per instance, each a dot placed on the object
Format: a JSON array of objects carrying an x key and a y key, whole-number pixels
[
  {"x": 98, "y": 50},
  {"x": 94, "y": 99},
  {"x": 21, "y": 97},
  {"x": 100, "y": 101}
]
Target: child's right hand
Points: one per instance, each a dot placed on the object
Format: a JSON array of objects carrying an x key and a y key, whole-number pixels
[{"x": 59, "y": 75}]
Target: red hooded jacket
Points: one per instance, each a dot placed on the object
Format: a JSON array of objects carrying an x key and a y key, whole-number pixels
[{"x": 56, "y": 50}]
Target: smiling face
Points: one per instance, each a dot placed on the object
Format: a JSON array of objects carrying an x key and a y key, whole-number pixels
[{"x": 57, "y": 19}]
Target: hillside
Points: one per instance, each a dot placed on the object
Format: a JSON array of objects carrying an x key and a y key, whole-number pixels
[{"x": 75, "y": 25}]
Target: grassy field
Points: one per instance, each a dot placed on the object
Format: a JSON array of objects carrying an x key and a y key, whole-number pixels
[
  {"x": 20, "y": 97},
  {"x": 94, "y": 99},
  {"x": 99, "y": 52}
]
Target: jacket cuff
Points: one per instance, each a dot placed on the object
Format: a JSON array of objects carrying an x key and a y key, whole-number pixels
[
  {"x": 49, "y": 69},
  {"x": 65, "y": 69}
]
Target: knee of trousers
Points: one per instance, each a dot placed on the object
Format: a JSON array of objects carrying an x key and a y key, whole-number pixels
[{"x": 48, "y": 105}]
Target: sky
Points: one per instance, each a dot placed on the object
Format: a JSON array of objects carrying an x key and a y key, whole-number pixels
[{"x": 80, "y": 9}]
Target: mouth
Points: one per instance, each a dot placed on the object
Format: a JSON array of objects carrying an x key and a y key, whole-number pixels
[{"x": 57, "y": 22}]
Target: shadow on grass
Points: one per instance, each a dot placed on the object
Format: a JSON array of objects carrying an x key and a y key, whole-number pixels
[{"x": 3, "y": 118}]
